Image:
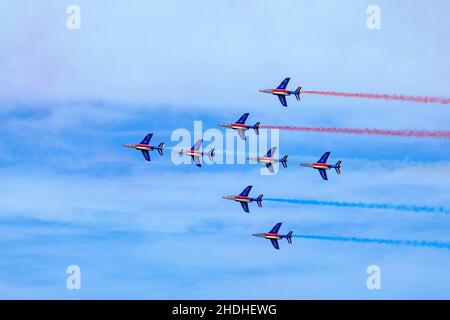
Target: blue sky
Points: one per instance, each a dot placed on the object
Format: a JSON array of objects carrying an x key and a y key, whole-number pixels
[{"x": 71, "y": 194}]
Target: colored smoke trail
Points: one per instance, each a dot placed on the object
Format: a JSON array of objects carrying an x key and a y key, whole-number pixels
[
  {"x": 376, "y": 132},
  {"x": 412, "y": 243},
  {"x": 380, "y": 96},
  {"x": 381, "y": 206}
]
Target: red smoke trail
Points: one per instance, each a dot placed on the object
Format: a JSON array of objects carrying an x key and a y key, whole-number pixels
[
  {"x": 381, "y": 96},
  {"x": 377, "y": 132}
]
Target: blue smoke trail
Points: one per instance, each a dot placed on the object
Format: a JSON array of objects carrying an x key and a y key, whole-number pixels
[
  {"x": 412, "y": 243},
  {"x": 382, "y": 206}
]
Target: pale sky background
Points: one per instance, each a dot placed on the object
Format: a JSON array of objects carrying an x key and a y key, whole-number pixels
[{"x": 71, "y": 194}]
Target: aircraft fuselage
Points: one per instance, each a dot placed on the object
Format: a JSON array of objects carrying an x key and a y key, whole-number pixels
[
  {"x": 194, "y": 153},
  {"x": 239, "y": 198},
  {"x": 235, "y": 126},
  {"x": 323, "y": 166},
  {"x": 264, "y": 160},
  {"x": 278, "y": 92},
  {"x": 270, "y": 236},
  {"x": 140, "y": 146}
]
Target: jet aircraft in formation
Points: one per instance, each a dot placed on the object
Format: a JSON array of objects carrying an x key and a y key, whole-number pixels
[
  {"x": 281, "y": 92},
  {"x": 196, "y": 154},
  {"x": 273, "y": 236},
  {"x": 323, "y": 166},
  {"x": 145, "y": 147},
  {"x": 269, "y": 160},
  {"x": 241, "y": 127},
  {"x": 244, "y": 199}
]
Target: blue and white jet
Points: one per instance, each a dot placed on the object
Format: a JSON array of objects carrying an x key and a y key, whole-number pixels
[
  {"x": 269, "y": 160},
  {"x": 196, "y": 154},
  {"x": 244, "y": 199},
  {"x": 273, "y": 236},
  {"x": 282, "y": 92},
  {"x": 145, "y": 147},
  {"x": 241, "y": 127},
  {"x": 323, "y": 166}
]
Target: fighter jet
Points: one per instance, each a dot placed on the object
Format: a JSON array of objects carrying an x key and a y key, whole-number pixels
[
  {"x": 144, "y": 147},
  {"x": 282, "y": 93},
  {"x": 322, "y": 166},
  {"x": 241, "y": 127},
  {"x": 195, "y": 153},
  {"x": 268, "y": 159},
  {"x": 273, "y": 236},
  {"x": 244, "y": 199}
]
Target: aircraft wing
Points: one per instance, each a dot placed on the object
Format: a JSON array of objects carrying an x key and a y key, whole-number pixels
[
  {"x": 243, "y": 118},
  {"x": 197, "y": 161},
  {"x": 284, "y": 84},
  {"x": 146, "y": 154},
  {"x": 276, "y": 228},
  {"x": 324, "y": 158},
  {"x": 283, "y": 100},
  {"x": 270, "y": 167},
  {"x": 271, "y": 152},
  {"x": 197, "y": 145},
  {"x": 323, "y": 174},
  {"x": 245, "y": 206},
  {"x": 147, "y": 139},
  {"x": 241, "y": 133},
  {"x": 246, "y": 191},
  {"x": 275, "y": 244}
]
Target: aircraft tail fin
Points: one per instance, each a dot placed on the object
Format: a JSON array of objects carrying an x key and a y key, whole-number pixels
[
  {"x": 259, "y": 200},
  {"x": 160, "y": 148},
  {"x": 297, "y": 93},
  {"x": 256, "y": 128},
  {"x": 338, "y": 167},
  {"x": 211, "y": 154},
  {"x": 289, "y": 237},
  {"x": 284, "y": 161}
]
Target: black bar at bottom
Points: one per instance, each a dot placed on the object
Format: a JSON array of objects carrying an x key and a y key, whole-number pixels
[{"x": 222, "y": 309}]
